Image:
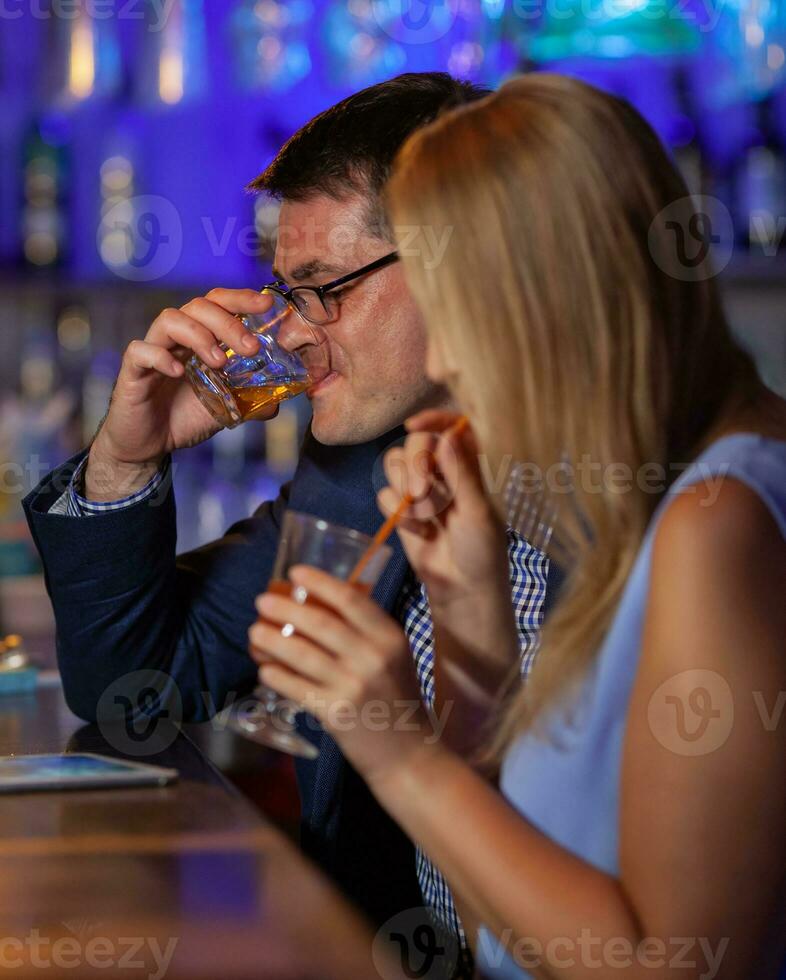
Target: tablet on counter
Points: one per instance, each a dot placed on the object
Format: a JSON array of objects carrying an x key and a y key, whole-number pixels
[{"x": 78, "y": 770}]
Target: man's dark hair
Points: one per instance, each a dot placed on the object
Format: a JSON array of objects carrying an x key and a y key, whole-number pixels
[{"x": 351, "y": 146}]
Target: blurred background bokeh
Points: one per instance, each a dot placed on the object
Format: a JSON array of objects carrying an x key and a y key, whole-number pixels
[{"x": 129, "y": 128}]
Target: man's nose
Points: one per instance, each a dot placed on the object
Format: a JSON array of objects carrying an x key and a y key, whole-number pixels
[{"x": 295, "y": 332}]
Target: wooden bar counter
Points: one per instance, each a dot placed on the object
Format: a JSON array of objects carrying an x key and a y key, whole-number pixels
[{"x": 184, "y": 881}]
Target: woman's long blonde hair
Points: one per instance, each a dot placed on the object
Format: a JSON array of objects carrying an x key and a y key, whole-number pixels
[{"x": 567, "y": 295}]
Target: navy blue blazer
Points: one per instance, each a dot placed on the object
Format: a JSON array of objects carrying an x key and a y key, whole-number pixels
[{"x": 123, "y": 601}]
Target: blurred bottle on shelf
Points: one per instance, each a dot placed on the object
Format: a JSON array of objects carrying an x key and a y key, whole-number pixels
[
  {"x": 208, "y": 483},
  {"x": 225, "y": 480},
  {"x": 266, "y": 212},
  {"x": 705, "y": 174},
  {"x": 575, "y": 29},
  {"x": 760, "y": 186},
  {"x": 97, "y": 388},
  {"x": 282, "y": 440},
  {"x": 83, "y": 57},
  {"x": 237, "y": 475},
  {"x": 270, "y": 43},
  {"x": 685, "y": 137},
  {"x": 117, "y": 219},
  {"x": 45, "y": 192},
  {"x": 173, "y": 65},
  {"x": 46, "y": 406},
  {"x": 360, "y": 41},
  {"x": 34, "y": 424},
  {"x": 220, "y": 493},
  {"x": 74, "y": 335},
  {"x": 483, "y": 41}
]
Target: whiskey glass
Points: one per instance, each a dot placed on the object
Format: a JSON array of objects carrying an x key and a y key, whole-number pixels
[{"x": 292, "y": 357}]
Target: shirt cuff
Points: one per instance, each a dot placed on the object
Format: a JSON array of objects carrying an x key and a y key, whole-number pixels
[{"x": 73, "y": 504}]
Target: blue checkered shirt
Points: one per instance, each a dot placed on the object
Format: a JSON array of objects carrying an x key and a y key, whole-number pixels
[
  {"x": 73, "y": 504},
  {"x": 528, "y": 572}
]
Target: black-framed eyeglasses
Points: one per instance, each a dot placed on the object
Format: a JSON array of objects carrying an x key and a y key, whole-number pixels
[{"x": 319, "y": 304}]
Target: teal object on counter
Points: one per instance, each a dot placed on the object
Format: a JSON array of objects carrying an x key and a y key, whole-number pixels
[{"x": 18, "y": 681}]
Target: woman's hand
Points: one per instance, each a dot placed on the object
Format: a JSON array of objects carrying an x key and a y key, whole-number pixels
[
  {"x": 457, "y": 546},
  {"x": 455, "y": 542},
  {"x": 348, "y": 663}
]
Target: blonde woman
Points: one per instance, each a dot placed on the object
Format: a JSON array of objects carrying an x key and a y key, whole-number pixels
[{"x": 637, "y": 825}]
